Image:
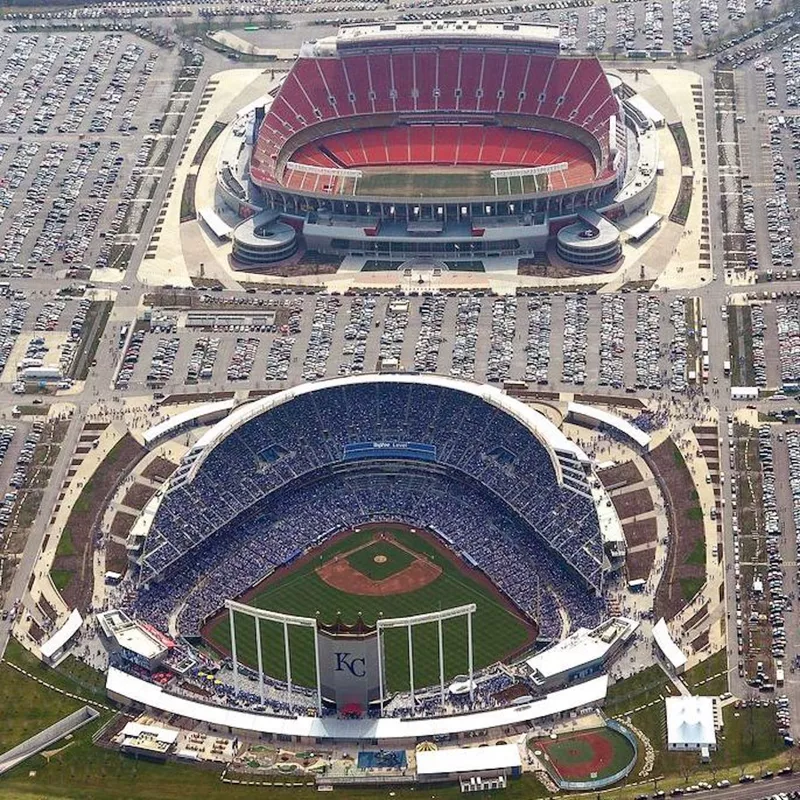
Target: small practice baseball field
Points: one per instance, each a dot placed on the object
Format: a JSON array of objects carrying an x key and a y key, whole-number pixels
[
  {"x": 586, "y": 755},
  {"x": 380, "y": 570}
]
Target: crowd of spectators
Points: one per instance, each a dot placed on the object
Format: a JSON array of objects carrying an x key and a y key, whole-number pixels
[
  {"x": 471, "y": 522},
  {"x": 297, "y": 439}
]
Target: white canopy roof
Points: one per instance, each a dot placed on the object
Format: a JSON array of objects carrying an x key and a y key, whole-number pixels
[
  {"x": 134, "y": 730},
  {"x": 468, "y": 759},
  {"x": 641, "y": 228},
  {"x": 218, "y": 226},
  {"x": 590, "y": 693},
  {"x": 667, "y": 645},
  {"x": 690, "y": 721},
  {"x": 584, "y": 646},
  {"x": 647, "y": 108},
  {"x": 612, "y": 420},
  {"x": 164, "y": 428},
  {"x": 63, "y": 634}
]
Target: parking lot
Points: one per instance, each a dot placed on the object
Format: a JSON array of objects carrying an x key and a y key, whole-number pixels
[
  {"x": 71, "y": 125},
  {"x": 618, "y": 341}
]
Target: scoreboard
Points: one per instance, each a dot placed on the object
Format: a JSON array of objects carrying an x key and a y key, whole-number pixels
[{"x": 418, "y": 451}]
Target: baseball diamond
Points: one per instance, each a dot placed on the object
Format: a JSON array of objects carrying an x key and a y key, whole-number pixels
[
  {"x": 311, "y": 586},
  {"x": 379, "y": 567},
  {"x": 584, "y": 756}
]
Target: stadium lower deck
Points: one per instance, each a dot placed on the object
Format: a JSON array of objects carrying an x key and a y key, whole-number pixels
[{"x": 414, "y": 150}]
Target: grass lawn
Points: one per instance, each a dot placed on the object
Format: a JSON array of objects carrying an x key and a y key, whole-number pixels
[
  {"x": 71, "y": 675},
  {"x": 65, "y": 545},
  {"x": 496, "y": 631},
  {"x": 695, "y": 513},
  {"x": 697, "y": 676},
  {"x": 96, "y": 318},
  {"x": 690, "y": 587},
  {"x": 27, "y": 712},
  {"x": 380, "y": 560},
  {"x": 698, "y": 554},
  {"x": 61, "y": 578},
  {"x": 638, "y": 690},
  {"x": 208, "y": 140}
]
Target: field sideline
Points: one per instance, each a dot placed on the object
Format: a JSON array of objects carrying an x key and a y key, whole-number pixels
[{"x": 498, "y": 630}]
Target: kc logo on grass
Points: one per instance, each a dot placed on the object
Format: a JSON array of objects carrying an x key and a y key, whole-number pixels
[{"x": 356, "y": 666}]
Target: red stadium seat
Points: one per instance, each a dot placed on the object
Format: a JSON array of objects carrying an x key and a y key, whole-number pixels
[
  {"x": 403, "y": 70},
  {"x": 470, "y": 80},
  {"x": 381, "y": 82},
  {"x": 494, "y": 67},
  {"x": 446, "y": 144},
  {"x": 425, "y": 79},
  {"x": 557, "y": 85},
  {"x": 357, "y": 78},
  {"x": 448, "y": 79}
]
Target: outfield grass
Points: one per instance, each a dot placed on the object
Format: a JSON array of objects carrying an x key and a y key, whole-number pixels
[{"x": 496, "y": 631}]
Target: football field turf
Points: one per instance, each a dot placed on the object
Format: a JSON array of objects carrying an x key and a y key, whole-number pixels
[
  {"x": 439, "y": 181},
  {"x": 497, "y": 630}
]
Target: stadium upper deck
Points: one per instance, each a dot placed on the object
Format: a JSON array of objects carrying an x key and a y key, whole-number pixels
[
  {"x": 513, "y": 453},
  {"x": 373, "y": 77}
]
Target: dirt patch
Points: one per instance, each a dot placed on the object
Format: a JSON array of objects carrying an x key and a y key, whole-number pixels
[
  {"x": 137, "y": 496},
  {"x": 695, "y": 618},
  {"x": 637, "y": 533},
  {"x": 608, "y": 400},
  {"x": 685, "y": 528},
  {"x": 203, "y": 397},
  {"x": 159, "y": 469},
  {"x": 116, "y": 557},
  {"x": 631, "y": 504},
  {"x": 122, "y": 524},
  {"x": 621, "y": 475},
  {"x": 700, "y": 642},
  {"x": 84, "y": 520},
  {"x": 340, "y": 575},
  {"x": 542, "y": 268},
  {"x": 640, "y": 564}
]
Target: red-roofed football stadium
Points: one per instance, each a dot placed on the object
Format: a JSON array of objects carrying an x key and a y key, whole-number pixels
[{"x": 439, "y": 140}]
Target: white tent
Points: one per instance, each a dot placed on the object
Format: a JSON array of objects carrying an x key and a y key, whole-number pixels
[{"x": 690, "y": 723}]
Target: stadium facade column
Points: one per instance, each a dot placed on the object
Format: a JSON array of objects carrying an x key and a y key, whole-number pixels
[
  {"x": 411, "y": 662},
  {"x": 380, "y": 666},
  {"x": 233, "y": 652},
  {"x": 288, "y": 657},
  {"x": 316, "y": 663},
  {"x": 441, "y": 660},
  {"x": 469, "y": 651},
  {"x": 260, "y": 662}
]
